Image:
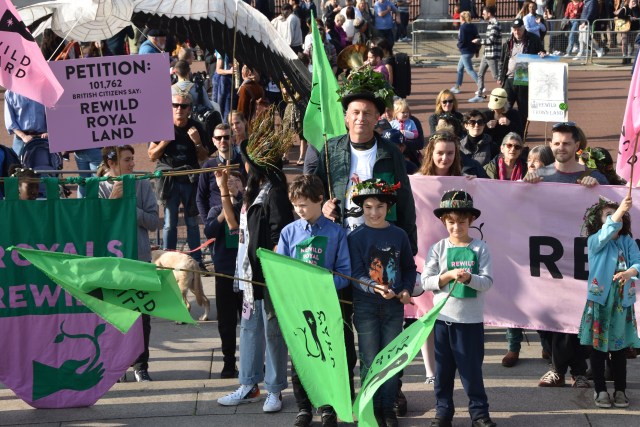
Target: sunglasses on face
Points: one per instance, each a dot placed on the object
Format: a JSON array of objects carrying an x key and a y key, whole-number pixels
[
  {"x": 475, "y": 122},
  {"x": 512, "y": 146},
  {"x": 181, "y": 106},
  {"x": 447, "y": 101},
  {"x": 222, "y": 137}
]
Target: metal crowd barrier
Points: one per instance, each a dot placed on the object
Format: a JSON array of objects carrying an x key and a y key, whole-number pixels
[
  {"x": 556, "y": 40},
  {"x": 611, "y": 42}
]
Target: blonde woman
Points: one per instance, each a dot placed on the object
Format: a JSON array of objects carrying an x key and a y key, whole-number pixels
[{"x": 467, "y": 33}]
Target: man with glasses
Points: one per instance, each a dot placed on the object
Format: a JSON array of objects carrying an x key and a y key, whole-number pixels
[
  {"x": 478, "y": 144},
  {"x": 211, "y": 200},
  {"x": 566, "y": 351},
  {"x": 189, "y": 147}
]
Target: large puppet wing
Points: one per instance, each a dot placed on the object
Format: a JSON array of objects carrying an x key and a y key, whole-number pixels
[{"x": 211, "y": 25}]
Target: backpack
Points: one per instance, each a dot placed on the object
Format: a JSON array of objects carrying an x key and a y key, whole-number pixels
[
  {"x": 401, "y": 65},
  {"x": 207, "y": 117},
  {"x": 36, "y": 155}
]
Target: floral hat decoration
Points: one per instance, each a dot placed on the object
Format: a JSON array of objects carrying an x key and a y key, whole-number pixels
[
  {"x": 267, "y": 143},
  {"x": 377, "y": 188},
  {"x": 590, "y": 218},
  {"x": 367, "y": 84},
  {"x": 456, "y": 201}
]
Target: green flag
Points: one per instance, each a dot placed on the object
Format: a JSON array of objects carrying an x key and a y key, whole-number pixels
[
  {"x": 306, "y": 303},
  {"x": 127, "y": 287},
  {"x": 324, "y": 116},
  {"x": 391, "y": 359}
]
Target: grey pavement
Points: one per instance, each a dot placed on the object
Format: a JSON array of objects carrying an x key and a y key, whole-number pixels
[{"x": 186, "y": 361}]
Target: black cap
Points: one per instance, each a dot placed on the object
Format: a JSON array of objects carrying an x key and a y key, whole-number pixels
[
  {"x": 155, "y": 32},
  {"x": 517, "y": 23}
]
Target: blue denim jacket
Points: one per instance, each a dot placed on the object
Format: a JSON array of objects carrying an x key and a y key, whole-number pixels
[{"x": 603, "y": 260}]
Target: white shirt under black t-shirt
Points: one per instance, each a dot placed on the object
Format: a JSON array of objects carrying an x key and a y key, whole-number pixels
[{"x": 362, "y": 162}]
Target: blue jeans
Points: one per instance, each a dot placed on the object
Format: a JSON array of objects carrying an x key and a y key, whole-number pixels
[
  {"x": 88, "y": 159},
  {"x": 180, "y": 193},
  {"x": 18, "y": 144},
  {"x": 465, "y": 64},
  {"x": 215, "y": 86},
  {"x": 378, "y": 322},
  {"x": 459, "y": 346},
  {"x": 224, "y": 96},
  {"x": 263, "y": 352},
  {"x": 573, "y": 34}
]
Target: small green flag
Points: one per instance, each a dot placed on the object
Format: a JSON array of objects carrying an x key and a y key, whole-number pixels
[
  {"x": 324, "y": 115},
  {"x": 128, "y": 287},
  {"x": 391, "y": 359},
  {"x": 306, "y": 303}
]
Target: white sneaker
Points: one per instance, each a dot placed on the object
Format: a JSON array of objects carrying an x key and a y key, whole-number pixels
[
  {"x": 620, "y": 399},
  {"x": 575, "y": 49},
  {"x": 566, "y": 55},
  {"x": 244, "y": 394},
  {"x": 273, "y": 403},
  {"x": 599, "y": 52},
  {"x": 476, "y": 99},
  {"x": 578, "y": 56},
  {"x": 556, "y": 53},
  {"x": 455, "y": 89},
  {"x": 602, "y": 399}
]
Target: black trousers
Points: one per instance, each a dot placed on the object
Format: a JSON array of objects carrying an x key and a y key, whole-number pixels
[
  {"x": 518, "y": 95},
  {"x": 568, "y": 353},
  {"x": 618, "y": 369},
  {"x": 228, "y": 307},
  {"x": 142, "y": 362}
]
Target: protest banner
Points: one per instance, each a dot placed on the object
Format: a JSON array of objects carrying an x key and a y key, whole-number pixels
[
  {"x": 310, "y": 319},
  {"x": 23, "y": 69},
  {"x": 539, "y": 259},
  {"x": 627, "y": 164},
  {"x": 113, "y": 100},
  {"x": 55, "y": 352},
  {"x": 548, "y": 92}
]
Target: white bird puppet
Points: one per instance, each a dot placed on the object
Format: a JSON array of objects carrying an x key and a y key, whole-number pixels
[{"x": 208, "y": 23}]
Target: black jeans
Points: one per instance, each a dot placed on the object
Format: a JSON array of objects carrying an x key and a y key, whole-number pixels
[
  {"x": 567, "y": 352},
  {"x": 518, "y": 95},
  {"x": 618, "y": 369},
  {"x": 228, "y": 307},
  {"x": 142, "y": 362}
]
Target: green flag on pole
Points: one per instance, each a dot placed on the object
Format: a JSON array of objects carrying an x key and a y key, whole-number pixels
[
  {"x": 324, "y": 115},
  {"x": 127, "y": 287},
  {"x": 306, "y": 303},
  {"x": 391, "y": 359}
]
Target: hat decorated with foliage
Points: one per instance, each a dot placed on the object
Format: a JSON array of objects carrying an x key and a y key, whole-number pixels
[
  {"x": 377, "y": 188},
  {"x": 367, "y": 84},
  {"x": 267, "y": 143},
  {"x": 456, "y": 201},
  {"x": 591, "y": 215}
]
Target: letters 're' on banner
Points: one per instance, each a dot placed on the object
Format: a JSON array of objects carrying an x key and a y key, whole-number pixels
[{"x": 55, "y": 352}]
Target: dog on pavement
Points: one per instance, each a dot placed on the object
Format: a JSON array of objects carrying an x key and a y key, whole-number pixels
[{"x": 187, "y": 280}]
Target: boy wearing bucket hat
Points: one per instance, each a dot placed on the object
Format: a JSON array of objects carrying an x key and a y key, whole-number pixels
[
  {"x": 381, "y": 256},
  {"x": 459, "y": 265}
]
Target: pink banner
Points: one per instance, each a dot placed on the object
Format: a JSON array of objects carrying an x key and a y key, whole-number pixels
[
  {"x": 113, "y": 100},
  {"x": 539, "y": 259},
  {"x": 627, "y": 156},
  {"x": 23, "y": 69}
]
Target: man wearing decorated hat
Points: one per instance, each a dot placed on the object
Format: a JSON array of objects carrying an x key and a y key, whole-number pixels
[
  {"x": 360, "y": 155},
  {"x": 521, "y": 41}
]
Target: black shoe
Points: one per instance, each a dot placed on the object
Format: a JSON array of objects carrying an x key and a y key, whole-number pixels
[
  {"x": 303, "y": 419},
  {"x": 390, "y": 419},
  {"x": 400, "y": 406},
  {"x": 379, "y": 416},
  {"x": 483, "y": 422},
  {"x": 329, "y": 418},
  {"x": 440, "y": 422},
  {"x": 142, "y": 376},
  {"x": 230, "y": 370}
]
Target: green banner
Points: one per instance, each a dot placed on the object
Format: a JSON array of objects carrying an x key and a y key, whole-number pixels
[
  {"x": 324, "y": 116},
  {"x": 306, "y": 303},
  {"x": 127, "y": 287},
  {"x": 391, "y": 359}
]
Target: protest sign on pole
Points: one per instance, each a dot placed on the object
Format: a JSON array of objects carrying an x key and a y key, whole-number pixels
[
  {"x": 548, "y": 92},
  {"x": 113, "y": 100}
]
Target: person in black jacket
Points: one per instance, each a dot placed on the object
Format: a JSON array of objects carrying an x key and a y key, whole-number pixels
[{"x": 521, "y": 41}]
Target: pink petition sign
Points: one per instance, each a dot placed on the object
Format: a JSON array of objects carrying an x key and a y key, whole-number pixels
[
  {"x": 113, "y": 100},
  {"x": 539, "y": 259}
]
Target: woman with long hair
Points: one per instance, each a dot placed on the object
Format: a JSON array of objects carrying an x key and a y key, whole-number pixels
[{"x": 446, "y": 103}]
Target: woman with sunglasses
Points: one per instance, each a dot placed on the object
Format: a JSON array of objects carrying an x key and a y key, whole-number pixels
[
  {"x": 477, "y": 143},
  {"x": 508, "y": 166},
  {"x": 446, "y": 103}
]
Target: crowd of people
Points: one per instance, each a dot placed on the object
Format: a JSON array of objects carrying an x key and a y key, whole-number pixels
[{"x": 355, "y": 202}]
